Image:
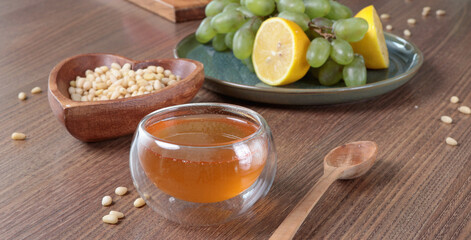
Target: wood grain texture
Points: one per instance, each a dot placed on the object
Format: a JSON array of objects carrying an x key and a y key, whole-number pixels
[
  {"x": 175, "y": 10},
  {"x": 102, "y": 120},
  {"x": 51, "y": 184}
]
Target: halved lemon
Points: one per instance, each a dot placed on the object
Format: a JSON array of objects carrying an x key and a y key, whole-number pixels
[
  {"x": 279, "y": 52},
  {"x": 372, "y": 46}
]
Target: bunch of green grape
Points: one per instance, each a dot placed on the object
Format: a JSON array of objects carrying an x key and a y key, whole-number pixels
[{"x": 233, "y": 24}]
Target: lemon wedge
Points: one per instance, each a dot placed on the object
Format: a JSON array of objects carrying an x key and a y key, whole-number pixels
[
  {"x": 372, "y": 46},
  {"x": 279, "y": 52}
]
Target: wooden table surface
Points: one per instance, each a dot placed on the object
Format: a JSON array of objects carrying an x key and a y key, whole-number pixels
[{"x": 51, "y": 184}]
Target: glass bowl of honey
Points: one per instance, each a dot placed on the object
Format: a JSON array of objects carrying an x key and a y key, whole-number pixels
[{"x": 202, "y": 164}]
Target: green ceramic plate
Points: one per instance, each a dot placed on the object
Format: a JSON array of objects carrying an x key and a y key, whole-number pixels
[{"x": 225, "y": 74}]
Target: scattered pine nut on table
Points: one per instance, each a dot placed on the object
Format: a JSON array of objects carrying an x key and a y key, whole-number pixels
[
  {"x": 454, "y": 99},
  {"x": 106, "y": 201},
  {"x": 426, "y": 11},
  {"x": 110, "y": 219},
  {"x": 36, "y": 90},
  {"x": 411, "y": 21},
  {"x": 450, "y": 141},
  {"x": 465, "y": 110},
  {"x": 407, "y": 33},
  {"x": 121, "y": 191},
  {"x": 384, "y": 16},
  {"x": 446, "y": 119},
  {"x": 117, "y": 214},
  {"x": 18, "y": 136},
  {"x": 139, "y": 202},
  {"x": 440, "y": 12},
  {"x": 22, "y": 95}
]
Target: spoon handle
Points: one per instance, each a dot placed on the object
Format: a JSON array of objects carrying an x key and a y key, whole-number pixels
[{"x": 293, "y": 221}]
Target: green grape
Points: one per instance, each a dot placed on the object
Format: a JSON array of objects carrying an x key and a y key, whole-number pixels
[
  {"x": 322, "y": 22},
  {"x": 219, "y": 43},
  {"x": 214, "y": 7},
  {"x": 260, "y": 7},
  {"x": 231, "y": 6},
  {"x": 254, "y": 24},
  {"x": 205, "y": 32},
  {"x": 299, "y": 18},
  {"x": 248, "y": 62},
  {"x": 354, "y": 74},
  {"x": 228, "y": 39},
  {"x": 228, "y": 21},
  {"x": 318, "y": 52},
  {"x": 243, "y": 43},
  {"x": 338, "y": 11},
  {"x": 290, "y": 5},
  {"x": 330, "y": 73},
  {"x": 245, "y": 11},
  {"x": 351, "y": 29},
  {"x": 317, "y": 8},
  {"x": 341, "y": 52}
]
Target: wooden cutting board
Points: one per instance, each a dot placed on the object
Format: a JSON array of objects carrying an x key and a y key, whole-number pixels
[{"x": 175, "y": 10}]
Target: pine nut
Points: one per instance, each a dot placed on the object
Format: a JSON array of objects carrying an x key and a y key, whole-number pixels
[
  {"x": 36, "y": 90},
  {"x": 117, "y": 214},
  {"x": 389, "y": 27},
  {"x": 411, "y": 21},
  {"x": 446, "y": 119},
  {"x": 22, "y": 95},
  {"x": 110, "y": 219},
  {"x": 148, "y": 76},
  {"x": 18, "y": 136},
  {"x": 454, "y": 99},
  {"x": 116, "y": 66},
  {"x": 440, "y": 12},
  {"x": 407, "y": 33},
  {"x": 104, "y": 69},
  {"x": 450, "y": 141},
  {"x": 167, "y": 73},
  {"x": 172, "y": 82},
  {"x": 384, "y": 16},
  {"x": 114, "y": 95},
  {"x": 464, "y": 109},
  {"x": 426, "y": 11},
  {"x": 98, "y": 70},
  {"x": 139, "y": 202},
  {"x": 160, "y": 69},
  {"x": 126, "y": 67},
  {"x": 165, "y": 80},
  {"x": 106, "y": 201},
  {"x": 76, "y": 97},
  {"x": 121, "y": 191}
]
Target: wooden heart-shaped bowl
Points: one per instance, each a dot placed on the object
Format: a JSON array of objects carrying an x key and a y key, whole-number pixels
[{"x": 100, "y": 120}]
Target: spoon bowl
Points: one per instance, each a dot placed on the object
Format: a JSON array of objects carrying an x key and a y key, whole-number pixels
[{"x": 355, "y": 158}]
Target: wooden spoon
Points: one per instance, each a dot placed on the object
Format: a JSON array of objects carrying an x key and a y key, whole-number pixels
[{"x": 344, "y": 162}]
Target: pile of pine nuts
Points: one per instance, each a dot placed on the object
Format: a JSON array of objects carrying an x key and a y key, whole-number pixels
[
  {"x": 448, "y": 120},
  {"x": 114, "y": 216},
  {"x": 116, "y": 82}
]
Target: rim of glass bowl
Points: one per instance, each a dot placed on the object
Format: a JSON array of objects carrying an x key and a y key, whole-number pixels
[{"x": 260, "y": 121}]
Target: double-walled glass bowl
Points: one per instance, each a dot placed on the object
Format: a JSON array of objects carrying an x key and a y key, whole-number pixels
[{"x": 202, "y": 184}]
